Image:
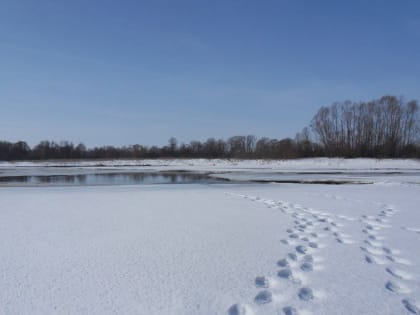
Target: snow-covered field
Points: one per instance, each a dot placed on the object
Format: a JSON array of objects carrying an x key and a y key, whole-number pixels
[
  {"x": 214, "y": 249},
  {"x": 314, "y": 164}
]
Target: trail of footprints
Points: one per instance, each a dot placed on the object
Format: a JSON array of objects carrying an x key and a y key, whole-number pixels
[
  {"x": 294, "y": 270},
  {"x": 299, "y": 262},
  {"x": 376, "y": 252},
  {"x": 310, "y": 226}
]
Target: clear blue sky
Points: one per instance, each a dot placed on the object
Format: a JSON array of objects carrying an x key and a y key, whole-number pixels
[{"x": 124, "y": 72}]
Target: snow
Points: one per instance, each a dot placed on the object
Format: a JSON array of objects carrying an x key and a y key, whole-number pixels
[
  {"x": 315, "y": 164},
  {"x": 214, "y": 249}
]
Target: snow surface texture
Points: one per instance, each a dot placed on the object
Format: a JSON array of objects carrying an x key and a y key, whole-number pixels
[
  {"x": 260, "y": 165},
  {"x": 211, "y": 249}
]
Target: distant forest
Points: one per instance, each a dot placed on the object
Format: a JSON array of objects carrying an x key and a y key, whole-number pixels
[{"x": 384, "y": 128}]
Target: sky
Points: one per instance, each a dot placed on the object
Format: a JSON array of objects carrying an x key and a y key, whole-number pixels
[{"x": 125, "y": 72}]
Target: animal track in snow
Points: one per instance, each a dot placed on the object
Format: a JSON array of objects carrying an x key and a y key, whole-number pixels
[
  {"x": 374, "y": 260},
  {"x": 372, "y": 228},
  {"x": 375, "y": 248},
  {"x": 285, "y": 273},
  {"x": 373, "y": 243},
  {"x": 344, "y": 240},
  {"x": 399, "y": 260},
  {"x": 410, "y": 306},
  {"x": 301, "y": 249},
  {"x": 304, "y": 236},
  {"x": 307, "y": 266},
  {"x": 375, "y": 237},
  {"x": 262, "y": 282},
  {"x": 289, "y": 310},
  {"x": 390, "y": 251},
  {"x": 263, "y": 297},
  {"x": 305, "y": 294},
  {"x": 308, "y": 258},
  {"x": 313, "y": 245},
  {"x": 240, "y": 309},
  {"x": 372, "y": 250},
  {"x": 288, "y": 274},
  {"x": 396, "y": 287},
  {"x": 283, "y": 263},
  {"x": 292, "y": 256},
  {"x": 375, "y": 225},
  {"x": 400, "y": 274}
]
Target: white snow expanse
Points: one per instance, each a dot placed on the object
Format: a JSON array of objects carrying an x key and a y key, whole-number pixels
[{"x": 214, "y": 249}]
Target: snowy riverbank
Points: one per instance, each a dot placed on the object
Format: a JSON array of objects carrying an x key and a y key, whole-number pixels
[{"x": 204, "y": 164}]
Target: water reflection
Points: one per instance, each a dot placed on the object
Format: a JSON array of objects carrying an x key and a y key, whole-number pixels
[{"x": 109, "y": 179}]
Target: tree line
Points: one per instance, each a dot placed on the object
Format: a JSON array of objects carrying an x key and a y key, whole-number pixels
[
  {"x": 386, "y": 127},
  {"x": 382, "y": 128},
  {"x": 234, "y": 147}
]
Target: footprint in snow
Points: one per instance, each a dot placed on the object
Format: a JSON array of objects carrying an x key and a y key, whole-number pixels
[
  {"x": 285, "y": 273},
  {"x": 372, "y": 228},
  {"x": 343, "y": 240},
  {"x": 240, "y": 309},
  {"x": 400, "y": 274},
  {"x": 373, "y": 243},
  {"x": 283, "y": 263},
  {"x": 399, "y": 260},
  {"x": 331, "y": 229},
  {"x": 293, "y": 236},
  {"x": 313, "y": 245},
  {"x": 410, "y": 306},
  {"x": 372, "y": 251},
  {"x": 375, "y": 237},
  {"x": 368, "y": 217},
  {"x": 390, "y": 251},
  {"x": 336, "y": 224},
  {"x": 396, "y": 287},
  {"x": 292, "y": 256},
  {"x": 306, "y": 294},
  {"x": 370, "y": 232},
  {"x": 301, "y": 249},
  {"x": 381, "y": 220},
  {"x": 289, "y": 310},
  {"x": 261, "y": 282},
  {"x": 263, "y": 297},
  {"x": 308, "y": 258},
  {"x": 374, "y": 260},
  {"x": 307, "y": 267},
  {"x": 288, "y": 275}
]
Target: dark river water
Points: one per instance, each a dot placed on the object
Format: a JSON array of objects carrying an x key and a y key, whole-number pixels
[
  {"x": 109, "y": 179},
  {"x": 78, "y": 177}
]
